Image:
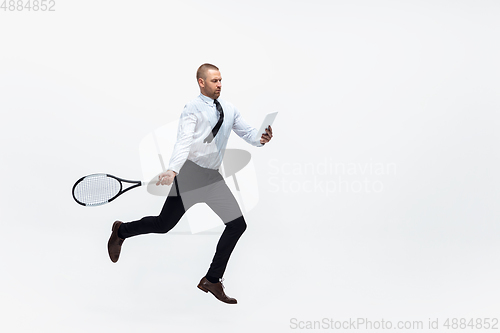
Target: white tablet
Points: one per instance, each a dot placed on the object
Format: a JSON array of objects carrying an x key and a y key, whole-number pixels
[{"x": 268, "y": 121}]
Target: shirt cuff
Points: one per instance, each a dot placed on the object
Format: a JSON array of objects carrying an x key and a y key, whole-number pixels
[{"x": 173, "y": 169}]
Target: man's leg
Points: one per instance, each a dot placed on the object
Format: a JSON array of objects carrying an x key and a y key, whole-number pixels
[
  {"x": 171, "y": 213},
  {"x": 223, "y": 203},
  {"x": 225, "y": 247}
]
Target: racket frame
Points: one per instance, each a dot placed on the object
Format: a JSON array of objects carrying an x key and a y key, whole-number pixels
[{"x": 136, "y": 183}]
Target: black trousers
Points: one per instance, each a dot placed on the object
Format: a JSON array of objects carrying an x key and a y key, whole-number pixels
[{"x": 195, "y": 184}]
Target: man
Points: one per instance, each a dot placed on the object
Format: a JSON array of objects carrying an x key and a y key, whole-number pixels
[{"x": 204, "y": 128}]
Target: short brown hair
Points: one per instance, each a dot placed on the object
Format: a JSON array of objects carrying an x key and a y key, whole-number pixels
[{"x": 202, "y": 71}]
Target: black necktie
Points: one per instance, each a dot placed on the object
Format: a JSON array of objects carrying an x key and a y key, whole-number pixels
[{"x": 212, "y": 135}]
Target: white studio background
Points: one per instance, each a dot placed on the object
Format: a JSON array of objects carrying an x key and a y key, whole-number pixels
[{"x": 377, "y": 193}]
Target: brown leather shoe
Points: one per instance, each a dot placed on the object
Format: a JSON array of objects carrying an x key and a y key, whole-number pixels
[
  {"x": 217, "y": 289},
  {"x": 115, "y": 243}
]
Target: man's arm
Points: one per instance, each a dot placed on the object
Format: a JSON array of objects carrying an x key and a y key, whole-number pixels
[
  {"x": 266, "y": 137},
  {"x": 166, "y": 178},
  {"x": 247, "y": 132},
  {"x": 185, "y": 132}
]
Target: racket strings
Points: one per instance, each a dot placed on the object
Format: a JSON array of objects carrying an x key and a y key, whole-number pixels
[{"x": 96, "y": 189}]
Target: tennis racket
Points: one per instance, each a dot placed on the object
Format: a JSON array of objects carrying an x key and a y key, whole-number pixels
[{"x": 100, "y": 188}]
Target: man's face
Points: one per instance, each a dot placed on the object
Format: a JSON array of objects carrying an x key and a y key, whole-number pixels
[{"x": 212, "y": 85}]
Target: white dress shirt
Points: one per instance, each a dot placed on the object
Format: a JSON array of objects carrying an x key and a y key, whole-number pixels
[{"x": 196, "y": 122}]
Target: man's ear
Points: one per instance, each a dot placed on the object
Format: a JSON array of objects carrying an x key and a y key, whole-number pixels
[{"x": 201, "y": 82}]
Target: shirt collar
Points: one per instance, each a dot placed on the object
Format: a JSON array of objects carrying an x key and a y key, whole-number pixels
[{"x": 207, "y": 99}]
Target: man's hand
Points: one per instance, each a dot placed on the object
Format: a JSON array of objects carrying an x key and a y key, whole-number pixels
[
  {"x": 166, "y": 178},
  {"x": 265, "y": 138}
]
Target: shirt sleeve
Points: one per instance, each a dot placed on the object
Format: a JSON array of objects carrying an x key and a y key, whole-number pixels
[
  {"x": 244, "y": 130},
  {"x": 185, "y": 132}
]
